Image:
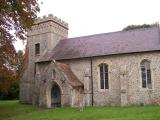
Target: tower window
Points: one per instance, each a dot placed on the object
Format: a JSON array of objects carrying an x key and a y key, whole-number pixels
[
  {"x": 37, "y": 48},
  {"x": 53, "y": 74}
]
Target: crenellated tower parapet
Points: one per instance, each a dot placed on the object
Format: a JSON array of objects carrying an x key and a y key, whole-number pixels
[
  {"x": 49, "y": 23},
  {"x": 52, "y": 18}
]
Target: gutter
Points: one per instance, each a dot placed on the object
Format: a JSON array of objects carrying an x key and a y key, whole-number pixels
[{"x": 92, "y": 81}]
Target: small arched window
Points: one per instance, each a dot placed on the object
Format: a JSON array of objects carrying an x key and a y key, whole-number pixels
[
  {"x": 146, "y": 74},
  {"x": 53, "y": 74},
  {"x": 103, "y": 76},
  {"x": 37, "y": 48}
]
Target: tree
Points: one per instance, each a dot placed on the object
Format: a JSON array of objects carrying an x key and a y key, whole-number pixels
[
  {"x": 7, "y": 56},
  {"x": 10, "y": 76},
  {"x": 16, "y": 16},
  {"x": 132, "y": 27}
]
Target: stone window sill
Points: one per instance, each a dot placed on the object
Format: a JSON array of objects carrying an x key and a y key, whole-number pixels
[
  {"x": 104, "y": 90},
  {"x": 147, "y": 89}
]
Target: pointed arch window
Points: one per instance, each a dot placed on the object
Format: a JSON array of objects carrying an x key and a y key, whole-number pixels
[
  {"x": 146, "y": 74},
  {"x": 103, "y": 76}
]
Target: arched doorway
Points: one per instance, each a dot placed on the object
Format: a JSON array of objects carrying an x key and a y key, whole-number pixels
[{"x": 55, "y": 96}]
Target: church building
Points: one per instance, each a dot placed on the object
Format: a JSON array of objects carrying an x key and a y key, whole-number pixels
[{"x": 110, "y": 69}]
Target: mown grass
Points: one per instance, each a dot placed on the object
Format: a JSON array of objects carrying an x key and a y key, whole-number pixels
[{"x": 15, "y": 111}]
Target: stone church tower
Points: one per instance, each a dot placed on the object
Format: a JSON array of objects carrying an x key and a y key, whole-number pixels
[{"x": 43, "y": 37}]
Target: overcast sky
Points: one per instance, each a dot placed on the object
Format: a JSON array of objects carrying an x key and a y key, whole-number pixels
[{"x": 86, "y": 17}]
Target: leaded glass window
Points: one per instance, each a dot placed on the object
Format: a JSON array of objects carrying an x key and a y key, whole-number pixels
[
  {"x": 104, "y": 76},
  {"x": 146, "y": 74}
]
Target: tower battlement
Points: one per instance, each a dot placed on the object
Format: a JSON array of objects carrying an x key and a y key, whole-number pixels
[{"x": 53, "y": 18}]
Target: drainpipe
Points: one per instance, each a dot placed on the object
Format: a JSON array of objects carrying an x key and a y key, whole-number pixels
[{"x": 91, "y": 80}]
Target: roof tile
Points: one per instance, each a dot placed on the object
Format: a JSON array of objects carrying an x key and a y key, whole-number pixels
[{"x": 140, "y": 40}]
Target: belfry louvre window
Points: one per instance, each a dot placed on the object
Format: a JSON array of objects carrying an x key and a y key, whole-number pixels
[
  {"x": 146, "y": 74},
  {"x": 37, "y": 48},
  {"x": 103, "y": 76}
]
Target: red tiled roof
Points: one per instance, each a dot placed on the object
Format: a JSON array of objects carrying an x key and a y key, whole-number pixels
[{"x": 74, "y": 81}]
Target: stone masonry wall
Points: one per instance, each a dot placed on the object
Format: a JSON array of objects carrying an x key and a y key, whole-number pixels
[
  {"x": 129, "y": 64},
  {"x": 125, "y": 86},
  {"x": 82, "y": 69}
]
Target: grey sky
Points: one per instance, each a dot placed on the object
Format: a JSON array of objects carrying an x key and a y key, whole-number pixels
[{"x": 86, "y": 17}]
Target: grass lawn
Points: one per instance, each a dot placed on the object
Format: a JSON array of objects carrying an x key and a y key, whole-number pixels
[{"x": 12, "y": 110}]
